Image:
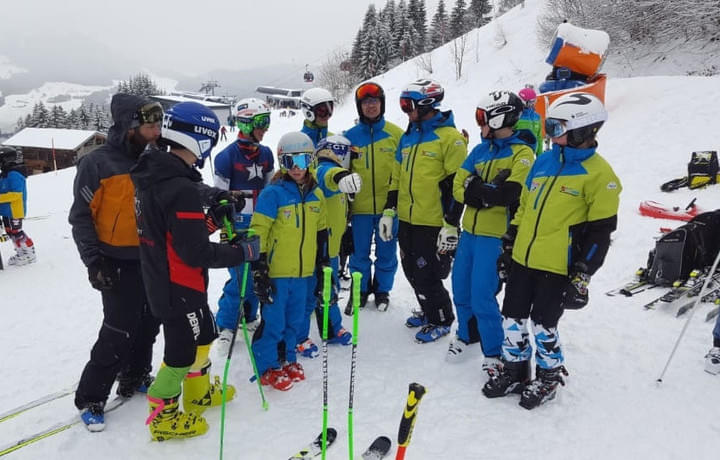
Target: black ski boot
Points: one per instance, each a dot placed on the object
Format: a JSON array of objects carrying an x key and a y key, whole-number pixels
[
  {"x": 128, "y": 385},
  {"x": 349, "y": 306},
  {"x": 512, "y": 379},
  {"x": 543, "y": 388}
]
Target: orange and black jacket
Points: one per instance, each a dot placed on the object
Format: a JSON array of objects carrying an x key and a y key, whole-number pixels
[
  {"x": 175, "y": 250},
  {"x": 102, "y": 215}
]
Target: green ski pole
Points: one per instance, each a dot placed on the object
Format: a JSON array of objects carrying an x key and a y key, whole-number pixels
[
  {"x": 327, "y": 279},
  {"x": 242, "y": 281},
  {"x": 356, "y": 280}
]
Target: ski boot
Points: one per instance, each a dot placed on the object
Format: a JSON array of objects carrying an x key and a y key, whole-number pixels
[
  {"x": 349, "y": 306},
  {"x": 492, "y": 366},
  {"x": 199, "y": 393},
  {"x": 712, "y": 361},
  {"x": 93, "y": 416},
  {"x": 416, "y": 320},
  {"x": 307, "y": 349},
  {"x": 23, "y": 255},
  {"x": 512, "y": 379},
  {"x": 294, "y": 371},
  {"x": 277, "y": 378},
  {"x": 382, "y": 301},
  {"x": 222, "y": 343},
  {"x": 127, "y": 385},
  {"x": 431, "y": 332},
  {"x": 167, "y": 421},
  {"x": 458, "y": 351},
  {"x": 343, "y": 337},
  {"x": 543, "y": 388}
]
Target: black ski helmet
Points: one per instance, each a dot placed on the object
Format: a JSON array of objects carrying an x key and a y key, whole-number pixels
[{"x": 10, "y": 157}]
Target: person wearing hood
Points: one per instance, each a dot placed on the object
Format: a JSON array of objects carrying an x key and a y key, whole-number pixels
[
  {"x": 13, "y": 205},
  {"x": 377, "y": 140},
  {"x": 176, "y": 253},
  {"x": 488, "y": 183},
  {"x": 245, "y": 167},
  {"x": 102, "y": 217},
  {"x": 427, "y": 157},
  {"x": 317, "y": 106},
  {"x": 556, "y": 241}
]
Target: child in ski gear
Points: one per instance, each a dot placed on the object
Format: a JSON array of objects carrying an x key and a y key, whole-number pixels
[
  {"x": 290, "y": 216},
  {"x": 103, "y": 223},
  {"x": 317, "y": 107},
  {"x": 530, "y": 119},
  {"x": 377, "y": 140},
  {"x": 557, "y": 240},
  {"x": 13, "y": 204},
  {"x": 176, "y": 253},
  {"x": 428, "y": 155},
  {"x": 335, "y": 182},
  {"x": 489, "y": 184},
  {"x": 243, "y": 166}
]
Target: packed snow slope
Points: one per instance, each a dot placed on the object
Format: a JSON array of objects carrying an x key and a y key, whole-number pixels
[{"x": 611, "y": 406}]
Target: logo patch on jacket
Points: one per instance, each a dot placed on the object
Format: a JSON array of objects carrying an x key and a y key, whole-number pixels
[
  {"x": 313, "y": 208},
  {"x": 387, "y": 150},
  {"x": 569, "y": 191},
  {"x": 429, "y": 154},
  {"x": 534, "y": 185},
  {"x": 287, "y": 213},
  {"x": 612, "y": 186}
]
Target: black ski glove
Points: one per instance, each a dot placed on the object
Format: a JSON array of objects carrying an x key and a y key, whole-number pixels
[
  {"x": 262, "y": 285},
  {"x": 474, "y": 192},
  {"x": 505, "y": 259},
  {"x": 102, "y": 274},
  {"x": 217, "y": 213},
  {"x": 576, "y": 294}
]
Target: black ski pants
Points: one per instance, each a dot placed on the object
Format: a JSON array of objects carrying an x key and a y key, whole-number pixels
[
  {"x": 126, "y": 337},
  {"x": 534, "y": 294},
  {"x": 425, "y": 270}
]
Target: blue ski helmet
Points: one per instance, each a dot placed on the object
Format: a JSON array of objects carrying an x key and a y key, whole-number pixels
[{"x": 192, "y": 126}]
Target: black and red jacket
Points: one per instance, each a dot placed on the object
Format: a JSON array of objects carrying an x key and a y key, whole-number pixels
[{"x": 175, "y": 251}]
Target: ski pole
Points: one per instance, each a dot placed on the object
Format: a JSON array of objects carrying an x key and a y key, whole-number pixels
[
  {"x": 356, "y": 280},
  {"x": 687, "y": 321},
  {"x": 407, "y": 422},
  {"x": 327, "y": 279}
]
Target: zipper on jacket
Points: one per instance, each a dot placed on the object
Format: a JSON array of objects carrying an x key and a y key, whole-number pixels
[
  {"x": 302, "y": 231},
  {"x": 539, "y": 214},
  {"x": 372, "y": 170},
  {"x": 413, "y": 154}
]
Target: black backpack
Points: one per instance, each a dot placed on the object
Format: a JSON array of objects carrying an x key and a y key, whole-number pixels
[
  {"x": 703, "y": 169},
  {"x": 691, "y": 246}
]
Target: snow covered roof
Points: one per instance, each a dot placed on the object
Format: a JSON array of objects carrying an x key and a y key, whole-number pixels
[
  {"x": 206, "y": 103},
  {"x": 45, "y": 138}
]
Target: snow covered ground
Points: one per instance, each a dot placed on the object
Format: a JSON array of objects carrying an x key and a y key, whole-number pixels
[{"x": 610, "y": 408}]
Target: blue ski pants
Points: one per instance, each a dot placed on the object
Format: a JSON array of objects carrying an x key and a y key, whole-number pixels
[
  {"x": 474, "y": 284},
  {"x": 280, "y": 322},
  {"x": 365, "y": 231},
  {"x": 229, "y": 303}
]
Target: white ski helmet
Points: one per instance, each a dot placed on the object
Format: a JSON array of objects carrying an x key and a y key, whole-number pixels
[
  {"x": 579, "y": 114},
  {"x": 245, "y": 112},
  {"x": 423, "y": 94},
  {"x": 295, "y": 149},
  {"x": 314, "y": 97},
  {"x": 337, "y": 148},
  {"x": 499, "y": 109}
]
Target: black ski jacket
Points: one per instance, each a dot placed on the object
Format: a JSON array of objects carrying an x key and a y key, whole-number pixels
[{"x": 175, "y": 251}]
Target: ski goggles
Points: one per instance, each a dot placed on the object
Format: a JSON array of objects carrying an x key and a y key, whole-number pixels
[
  {"x": 555, "y": 127},
  {"x": 295, "y": 160},
  {"x": 323, "y": 110},
  {"x": 368, "y": 90},
  {"x": 481, "y": 117},
  {"x": 149, "y": 113},
  {"x": 407, "y": 105},
  {"x": 261, "y": 121}
]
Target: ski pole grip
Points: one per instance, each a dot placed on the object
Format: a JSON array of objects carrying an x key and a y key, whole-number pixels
[
  {"x": 327, "y": 279},
  {"x": 407, "y": 423},
  {"x": 356, "y": 280}
]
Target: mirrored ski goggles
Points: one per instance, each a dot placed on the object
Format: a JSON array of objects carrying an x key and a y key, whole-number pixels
[
  {"x": 149, "y": 113},
  {"x": 368, "y": 90},
  {"x": 555, "y": 127},
  {"x": 324, "y": 109},
  {"x": 295, "y": 160},
  {"x": 407, "y": 105},
  {"x": 481, "y": 117}
]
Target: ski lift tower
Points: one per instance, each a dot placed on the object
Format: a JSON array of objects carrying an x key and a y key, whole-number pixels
[{"x": 209, "y": 87}]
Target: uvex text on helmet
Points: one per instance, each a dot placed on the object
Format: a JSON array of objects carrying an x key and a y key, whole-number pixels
[{"x": 193, "y": 126}]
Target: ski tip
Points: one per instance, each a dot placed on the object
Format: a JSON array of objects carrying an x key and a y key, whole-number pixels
[{"x": 331, "y": 434}]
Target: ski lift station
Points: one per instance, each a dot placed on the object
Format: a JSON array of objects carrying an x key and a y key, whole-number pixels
[
  {"x": 281, "y": 98},
  {"x": 220, "y": 105}
]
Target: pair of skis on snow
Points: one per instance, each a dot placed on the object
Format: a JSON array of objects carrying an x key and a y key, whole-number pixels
[
  {"x": 380, "y": 447},
  {"x": 682, "y": 294},
  {"x": 53, "y": 429}
]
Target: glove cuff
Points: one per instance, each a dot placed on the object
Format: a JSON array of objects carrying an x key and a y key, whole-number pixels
[{"x": 389, "y": 213}]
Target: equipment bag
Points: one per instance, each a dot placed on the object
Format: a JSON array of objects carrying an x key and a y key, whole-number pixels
[
  {"x": 702, "y": 170},
  {"x": 688, "y": 247}
]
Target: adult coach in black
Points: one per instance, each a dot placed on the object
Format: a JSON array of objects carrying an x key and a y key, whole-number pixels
[{"x": 102, "y": 217}]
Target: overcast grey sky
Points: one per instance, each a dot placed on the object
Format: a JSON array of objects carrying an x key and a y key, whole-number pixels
[{"x": 193, "y": 36}]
